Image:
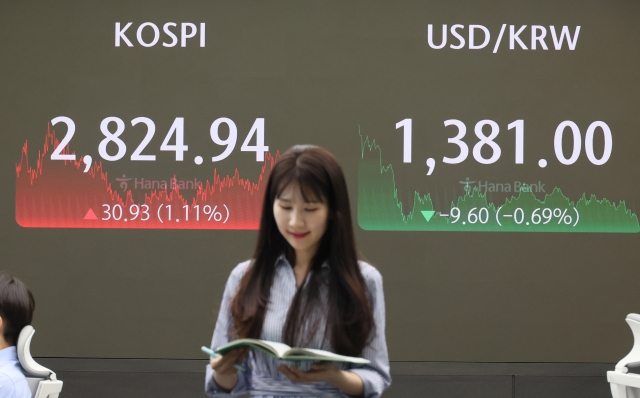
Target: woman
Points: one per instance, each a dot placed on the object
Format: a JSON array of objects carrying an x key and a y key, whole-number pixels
[{"x": 305, "y": 288}]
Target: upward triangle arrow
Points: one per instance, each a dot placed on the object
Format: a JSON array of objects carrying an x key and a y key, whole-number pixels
[{"x": 90, "y": 215}]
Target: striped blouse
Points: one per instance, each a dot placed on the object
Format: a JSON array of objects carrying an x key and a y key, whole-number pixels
[{"x": 261, "y": 377}]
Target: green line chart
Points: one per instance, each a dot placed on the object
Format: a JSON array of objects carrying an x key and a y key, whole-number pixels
[{"x": 379, "y": 208}]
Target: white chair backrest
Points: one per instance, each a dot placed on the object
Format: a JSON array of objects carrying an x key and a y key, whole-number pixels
[
  {"x": 42, "y": 381},
  {"x": 33, "y": 384},
  {"x": 26, "y": 360},
  {"x": 633, "y": 357},
  {"x": 624, "y": 384}
]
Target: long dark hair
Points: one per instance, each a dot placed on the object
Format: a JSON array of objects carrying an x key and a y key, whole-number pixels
[{"x": 349, "y": 318}]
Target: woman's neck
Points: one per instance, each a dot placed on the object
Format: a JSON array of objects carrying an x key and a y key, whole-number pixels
[{"x": 303, "y": 265}]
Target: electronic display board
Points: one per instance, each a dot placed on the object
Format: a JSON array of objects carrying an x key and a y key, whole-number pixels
[{"x": 491, "y": 153}]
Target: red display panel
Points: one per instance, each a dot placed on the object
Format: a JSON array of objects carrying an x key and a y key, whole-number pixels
[{"x": 60, "y": 194}]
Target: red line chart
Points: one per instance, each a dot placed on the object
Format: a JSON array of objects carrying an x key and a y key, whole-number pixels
[{"x": 59, "y": 194}]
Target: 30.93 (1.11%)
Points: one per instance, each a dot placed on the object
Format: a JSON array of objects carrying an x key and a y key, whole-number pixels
[{"x": 165, "y": 212}]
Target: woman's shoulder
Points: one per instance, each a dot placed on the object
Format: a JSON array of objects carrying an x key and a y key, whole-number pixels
[
  {"x": 240, "y": 269},
  {"x": 238, "y": 272},
  {"x": 369, "y": 272},
  {"x": 373, "y": 280}
]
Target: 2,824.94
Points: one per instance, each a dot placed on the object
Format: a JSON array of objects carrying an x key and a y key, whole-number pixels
[{"x": 176, "y": 133}]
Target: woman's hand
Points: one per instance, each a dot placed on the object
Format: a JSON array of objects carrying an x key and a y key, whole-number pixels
[
  {"x": 225, "y": 371},
  {"x": 320, "y": 371},
  {"x": 347, "y": 382}
]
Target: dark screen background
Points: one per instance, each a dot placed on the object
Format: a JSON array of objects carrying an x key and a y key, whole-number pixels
[{"x": 318, "y": 71}]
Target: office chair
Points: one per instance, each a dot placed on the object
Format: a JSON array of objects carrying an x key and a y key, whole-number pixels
[
  {"x": 624, "y": 384},
  {"x": 42, "y": 381}
]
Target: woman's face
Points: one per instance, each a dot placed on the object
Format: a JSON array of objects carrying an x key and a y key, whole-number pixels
[{"x": 301, "y": 223}]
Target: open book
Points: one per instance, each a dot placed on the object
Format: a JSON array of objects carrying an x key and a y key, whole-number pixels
[{"x": 284, "y": 352}]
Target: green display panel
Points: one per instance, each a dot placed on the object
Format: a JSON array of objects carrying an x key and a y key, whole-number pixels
[{"x": 380, "y": 209}]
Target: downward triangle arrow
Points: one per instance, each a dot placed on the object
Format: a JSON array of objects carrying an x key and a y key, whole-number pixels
[{"x": 428, "y": 214}]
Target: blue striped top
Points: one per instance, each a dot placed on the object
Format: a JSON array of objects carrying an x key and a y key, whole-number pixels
[{"x": 261, "y": 377}]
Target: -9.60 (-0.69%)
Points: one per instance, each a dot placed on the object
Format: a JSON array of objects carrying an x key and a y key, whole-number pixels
[{"x": 539, "y": 216}]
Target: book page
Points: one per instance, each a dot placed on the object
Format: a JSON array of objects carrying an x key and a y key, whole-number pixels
[
  {"x": 273, "y": 348},
  {"x": 280, "y": 349},
  {"x": 285, "y": 352},
  {"x": 321, "y": 355}
]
